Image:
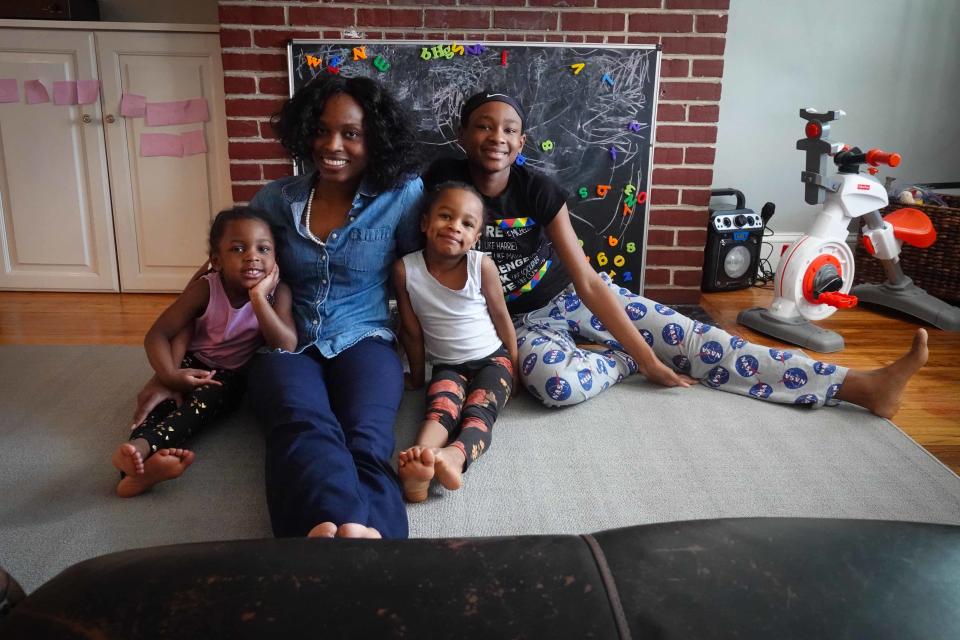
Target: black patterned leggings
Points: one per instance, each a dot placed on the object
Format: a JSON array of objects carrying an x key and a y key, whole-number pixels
[
  {"x": 466, "y": 398},
  {"x": 169, "y": 426}
]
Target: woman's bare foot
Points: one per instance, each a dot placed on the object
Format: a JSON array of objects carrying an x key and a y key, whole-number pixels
[
  {"x": 416, "y": 469},
  {"x": 323, "y": 530},
  {"x": 128, "y": 460},
  {"x": 449, "y": 467},
  {"x": 165, "y": 464},
  {"x": 881, "y": 390},
  {"x": 354, "y": 530}
]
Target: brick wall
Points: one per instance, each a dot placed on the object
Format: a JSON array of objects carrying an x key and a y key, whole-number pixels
[{"x": 254, "y": 34}]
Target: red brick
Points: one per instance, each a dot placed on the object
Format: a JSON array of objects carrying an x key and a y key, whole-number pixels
[
  {"x": 616, "y": 39},
  {"x": 232, "y": 14},
  {"x": 660, "y": 23},
  {"x": 700, "y": 155},
  {"x": 254, "y": 62},
  {"x": 592, "y": 38},
  {"x": 692, "y": 133},
  {"x": 690, "y": 90},
  {"x": 561, "y": 3},
  {"x": 266, "y": 131},
  {"x": 664, "y": 196},
  {"x": 711, "y": 24},
  {"x": 679, "y": 217},
  {"x": 643, "y": 39},
  {"x": 683, "y": 176},
  {"x": 608, "y": 21},
  {"x": 244, "y": 172},
  {"x": 536, "y": 20},
  {"x": 692, "y": 238},
  {"x": 280, "y": 37},
  {"x": 257, "y": 151},
  {"x": 660, "y": 237},
  {"x": 534, "y": 37},
  {"x": 554, "y": 37},
  {"x": 327, "y": 16},
  {"x": 411, "y": 35},
  {"x": 701, "y": 46},
  {"x": 699, "y": 197},
  {"x": 238, "y": 84},
  {"x": 688, "y": 277},
  {"x": 708, "y": 68},
  {"x": 275, "y": 86},
  {"x": 704, "y": 112},
  {"x": 234, "y": 38},
  {"x": 244, "y": 192},
  {"x": 390, "y": 18},
  {"x": 671, "y": 113},
  {"x": 674, "y": 68},
  {"x": 667, "y": 155},
  {"x": 572, "y": 38},
  {"x": 452, "y": 19},
  {"x": 252, "y": 107},
  {"x": 490, "y": 37},
  {"x": 656, "y": 276},
  {"x": 675, "y": 257},
  {"x": 628, "y": 4},
  {"x": 273, "y": 171},
  {"x": 698, "y": 4},
  {"x": 242, "y": 128},
  {"x": 407, "y": 3},
  {"x": 673, "y": 296}
]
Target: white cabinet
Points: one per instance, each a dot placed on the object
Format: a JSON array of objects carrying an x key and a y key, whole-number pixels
[{"x": 80, "y": 209}]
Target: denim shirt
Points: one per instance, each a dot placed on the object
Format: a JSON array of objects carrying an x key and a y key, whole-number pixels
[{"x": 339, "y": 287}]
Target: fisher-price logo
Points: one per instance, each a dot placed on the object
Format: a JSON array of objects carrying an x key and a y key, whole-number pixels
[{"x": 863, "y": 187}]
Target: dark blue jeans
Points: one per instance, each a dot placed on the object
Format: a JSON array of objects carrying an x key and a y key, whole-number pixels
[{"x": 329, "y": 429}]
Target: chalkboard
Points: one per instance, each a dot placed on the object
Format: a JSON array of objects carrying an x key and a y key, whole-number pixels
[{"x": 590, "y": 119}]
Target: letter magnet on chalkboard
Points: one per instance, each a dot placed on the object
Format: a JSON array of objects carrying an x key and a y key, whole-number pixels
[{"x": 577, "y": 67}]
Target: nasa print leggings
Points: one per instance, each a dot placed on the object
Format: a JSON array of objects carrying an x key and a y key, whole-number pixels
[{"x": 559, "y": 373}]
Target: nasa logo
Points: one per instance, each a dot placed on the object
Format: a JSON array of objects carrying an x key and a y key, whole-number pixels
[
  {"x": 606, "y": 385},
  {"x": 619, "y": 377},
  {"x": 682, "y": 363},
  {"x": 647, "y": 336},
  {"x": 613, "y": 344},
  {"x": 558, "y": 389},
  {"x": 794, "y": 378},
  {"x": 672, "y": 334},
  {"x": 832, "y": 391},
  {"x": 664, "y": 310},
  {"x": 700, "y": 328},
  {"x": 747, "y": 366},
  {"x": 539, "y": 340},
  {"x": 780, "y": 355},
  {"x": 806, "y": 399},
  {"x": 716, "y": 377},
  {"x": 761, "y": 390},
  {"x": 624, "y": 292},
  {"x": 823, "y": 368},
  {"x": 553, "y": 357},
  {"x": 611, "y": 361},
  {"x": 631, "y": 364},
  {"x": 529, "y": 363},
  {"x": 571, "y": 302},
  {"x": 556, "y": 314},
  {"x": 574, "y": 327},
  {"x": 596, "y": 324},
  {"x": 601, "y": 365},
  {"x": 520, "y": 341},
  {"x": 636, "y": 310},
  {"x": 736, "y": 342},
  {"x": 585, "y": 378},
  {"x": 711, "y": 352}
]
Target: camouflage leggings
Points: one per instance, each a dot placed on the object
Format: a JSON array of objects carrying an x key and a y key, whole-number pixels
[{"x": 466, "y": 398}]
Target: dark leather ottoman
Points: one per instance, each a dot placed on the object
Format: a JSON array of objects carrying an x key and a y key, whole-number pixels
[{"x": 740, "y": 578}]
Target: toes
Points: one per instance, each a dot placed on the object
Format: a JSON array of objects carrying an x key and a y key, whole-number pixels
[
  {"x": 323, "y": 530},
  {"x": 427, "y": 456}
]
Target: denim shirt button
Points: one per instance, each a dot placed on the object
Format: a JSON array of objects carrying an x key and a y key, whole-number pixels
[
  {"x": 316, "y": 322},
  {"x": 333, "y": 235},
  {"x": 323, "y": 282}
]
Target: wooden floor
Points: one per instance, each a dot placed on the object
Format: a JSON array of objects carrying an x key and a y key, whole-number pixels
[{"x": 930, "y": 413}]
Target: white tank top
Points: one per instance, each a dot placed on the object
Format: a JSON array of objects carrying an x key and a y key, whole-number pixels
[{"x": 456, "y": 324}]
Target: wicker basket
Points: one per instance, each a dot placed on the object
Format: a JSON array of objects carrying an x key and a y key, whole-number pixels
[{"x": 936, "y": 268}]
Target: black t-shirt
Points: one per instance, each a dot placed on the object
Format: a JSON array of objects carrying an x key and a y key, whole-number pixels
[{"x": 515, "y": 232}]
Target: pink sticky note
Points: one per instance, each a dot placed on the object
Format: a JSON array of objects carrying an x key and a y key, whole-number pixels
[
  {"x": 88, "y": 91},
  {"x": 193, "y": 142},
  {"x": 36, "y": 92},
  {"x": 160, "y": 144},
  {"x": 65, "y": 92},
  {"x": 164, "y": 113},
  {"x": 132, "y": 105},
  {"x": 197, "y": 110},
  {"x": 9, "y": 91}
]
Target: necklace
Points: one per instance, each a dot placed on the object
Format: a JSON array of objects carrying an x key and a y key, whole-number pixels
[{"x": 307, "y": 216}]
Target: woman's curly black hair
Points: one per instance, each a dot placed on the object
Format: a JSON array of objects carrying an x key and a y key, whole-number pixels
[{"x": 387, "y": 127}]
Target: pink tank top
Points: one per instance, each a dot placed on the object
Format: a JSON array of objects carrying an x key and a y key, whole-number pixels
[{"x": 224, "y": 337}]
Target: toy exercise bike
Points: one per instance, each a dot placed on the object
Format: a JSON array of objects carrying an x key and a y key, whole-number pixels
[{"x": 815, "y": 274}]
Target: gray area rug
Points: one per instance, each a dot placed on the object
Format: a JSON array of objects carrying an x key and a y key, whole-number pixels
[{"x": 635, "y": 455}]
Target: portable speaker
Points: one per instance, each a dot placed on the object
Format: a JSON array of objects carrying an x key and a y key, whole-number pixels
[{"x": 734, "y": 238}]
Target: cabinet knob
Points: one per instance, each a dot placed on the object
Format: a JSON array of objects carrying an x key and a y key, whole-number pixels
[
  {"x": 110, "y": 119},
  {"x": 86, "y": 118}
]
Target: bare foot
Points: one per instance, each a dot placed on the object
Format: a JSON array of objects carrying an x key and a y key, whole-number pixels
[
  {"x": 128, "y": 460},
  {"x": 165, "y": 464},
  {"x": 450, "y": 467},
  {"x": 416, "y": 468},
  {"x": 323, "y": 530},
  {"x": 354, "y": 530},
  {"x": 881, "y": 390}
]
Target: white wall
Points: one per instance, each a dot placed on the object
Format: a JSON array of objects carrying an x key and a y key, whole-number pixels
[
  {"x": 175, "y": 11},
  {"x": 892, "y": 65}
]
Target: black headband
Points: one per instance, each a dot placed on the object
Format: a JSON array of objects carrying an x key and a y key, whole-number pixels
[{"x": 478, "y": 99}]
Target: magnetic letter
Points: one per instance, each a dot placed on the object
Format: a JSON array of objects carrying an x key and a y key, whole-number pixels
[
  {"x": 381, "y": 63},
  {"x": 547, "y": 145},
  {"x": 602, "y": 190},
  {"x": 619, "y": 260},
  {"x": 602, "y": 259},
  {"x": 634, "y": 126},
  {"x": 521, "y": 160},
  {"x": 606, "y": 78},
  {"x": 583, "y": 193},
  {"x": 359, "y": 53},
  {"x": 613, "y": 241},
  {"x": 631, "y": 247},
  {"x": 577, "y": 67}
]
